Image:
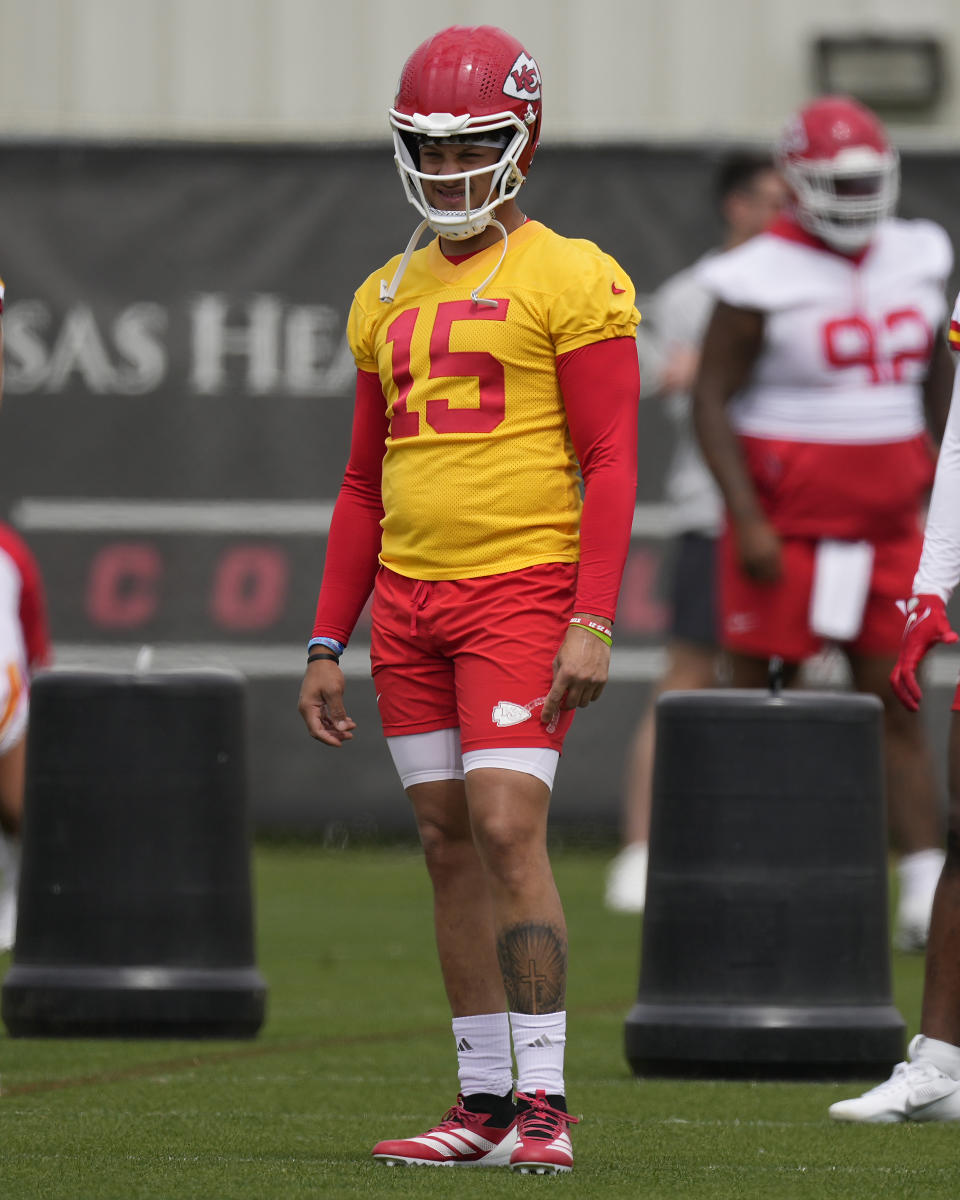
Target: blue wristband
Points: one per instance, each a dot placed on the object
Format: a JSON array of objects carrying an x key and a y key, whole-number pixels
[{"x": 330, "y": 643}]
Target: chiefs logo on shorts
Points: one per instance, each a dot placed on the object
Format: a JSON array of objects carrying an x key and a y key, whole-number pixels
[{"x": 505, "y": 712}]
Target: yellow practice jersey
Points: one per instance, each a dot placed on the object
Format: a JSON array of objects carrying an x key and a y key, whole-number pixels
[{"x": 479, "y": 475}]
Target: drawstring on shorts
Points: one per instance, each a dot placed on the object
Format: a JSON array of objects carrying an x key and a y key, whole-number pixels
[{"x": 419, "y": 599}]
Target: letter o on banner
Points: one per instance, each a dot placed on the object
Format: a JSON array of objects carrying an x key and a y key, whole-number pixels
[
  {"x": 250, "y": 588},
  {"x": 135, "y": 914}
]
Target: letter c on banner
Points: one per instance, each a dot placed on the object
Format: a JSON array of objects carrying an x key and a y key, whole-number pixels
[{"x": 122, "y": 585}]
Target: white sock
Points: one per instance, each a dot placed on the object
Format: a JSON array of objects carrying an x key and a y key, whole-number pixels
[
  {"x": 538, "y": 1042},
  {"x": 483, "y": 1053},
  {"x": 944, "y": 1055},
  {"x": 919, "y": 872}
]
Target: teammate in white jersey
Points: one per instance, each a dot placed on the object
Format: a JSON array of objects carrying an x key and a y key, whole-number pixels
[
  {"x": 749, "y": 193},
  {"x": 822, "y": 367},
  {"x": 927, "y": 1086}
]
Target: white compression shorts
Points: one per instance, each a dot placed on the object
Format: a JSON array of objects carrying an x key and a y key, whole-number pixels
[{"x": 426, "y": 757}]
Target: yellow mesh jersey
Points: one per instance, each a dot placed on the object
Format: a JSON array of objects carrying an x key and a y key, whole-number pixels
[{"x": 479, "y": 475}]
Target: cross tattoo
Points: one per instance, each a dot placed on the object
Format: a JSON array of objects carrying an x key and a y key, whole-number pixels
[{"x": 533, "y": 979}]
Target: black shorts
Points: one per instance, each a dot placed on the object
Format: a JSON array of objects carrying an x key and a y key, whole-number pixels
[{"x": 693, "y": 591}]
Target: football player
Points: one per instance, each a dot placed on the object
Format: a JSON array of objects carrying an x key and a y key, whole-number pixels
[
  {"x": 823, "y": 357},
  {"x": 750, "y": 193},
  {"x": 927, "y": 1086},
  {"x": 24, "y": 647},
  {"x": 495, "y": 366}
]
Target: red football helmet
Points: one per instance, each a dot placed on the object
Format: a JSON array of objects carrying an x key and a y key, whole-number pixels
[
  {"x": 467, "y": 84},
  {"x": 836, "y": 156}
]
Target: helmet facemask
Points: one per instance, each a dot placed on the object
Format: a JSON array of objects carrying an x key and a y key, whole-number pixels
[
  {"x": 843, "y": 199},
  {"x": 500, "y": 129}
]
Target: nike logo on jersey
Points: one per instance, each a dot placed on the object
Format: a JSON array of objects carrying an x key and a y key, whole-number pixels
[{"x": 617, "y": 291}]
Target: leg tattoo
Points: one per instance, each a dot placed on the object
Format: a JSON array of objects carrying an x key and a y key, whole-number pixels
[{"x": 533, "y": 962}]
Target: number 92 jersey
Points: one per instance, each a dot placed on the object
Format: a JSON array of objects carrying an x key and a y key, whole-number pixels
[
  {"x": 479, "y": 475},
  {"x": 847, "y": 340}
]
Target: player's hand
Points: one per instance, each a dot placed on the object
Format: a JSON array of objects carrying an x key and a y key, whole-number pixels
[
  {"x": 321, "y": 704},
  {"x": 926, "y": 625},
  {"x": 759, "y": 549},
  {"x": 580, "y": 672}
]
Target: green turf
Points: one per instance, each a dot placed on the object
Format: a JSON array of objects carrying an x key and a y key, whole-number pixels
[{"x": 357, "y": 1046}]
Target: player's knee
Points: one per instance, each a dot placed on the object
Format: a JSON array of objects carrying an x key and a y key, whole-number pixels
[
  {"x": 902, "y": 730},
  {"x": 508, "y": 847},
  {"x": 446, "y": 847}
]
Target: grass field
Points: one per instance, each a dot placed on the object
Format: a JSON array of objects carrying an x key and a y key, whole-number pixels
[{"x": 357, "y": 1046}]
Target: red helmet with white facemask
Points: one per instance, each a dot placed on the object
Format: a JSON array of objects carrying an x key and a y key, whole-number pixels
[
  {"x": 467, "y": 85},
  {"x": 836, "y": 157}
]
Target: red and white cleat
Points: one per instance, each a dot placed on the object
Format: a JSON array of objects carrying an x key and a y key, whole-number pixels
[
  {"x": 543, "y": 1144},
  {"x": 462, "y": 1139}
]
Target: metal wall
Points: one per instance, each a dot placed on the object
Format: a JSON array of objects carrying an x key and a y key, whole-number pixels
[{"x": 326, "y": 69}]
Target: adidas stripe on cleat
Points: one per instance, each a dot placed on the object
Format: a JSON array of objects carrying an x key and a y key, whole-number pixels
[
  {"x": 543, "y": 1143},
  {"x": 462, "y": 1139}
]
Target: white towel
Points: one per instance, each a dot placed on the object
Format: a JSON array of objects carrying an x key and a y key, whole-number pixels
[{"x": 841, "y": 583}]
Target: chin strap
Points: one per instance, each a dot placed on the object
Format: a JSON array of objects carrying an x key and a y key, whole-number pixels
[
  {"x": 388, "y": 293},
  {"x": 475, "y": 294}
]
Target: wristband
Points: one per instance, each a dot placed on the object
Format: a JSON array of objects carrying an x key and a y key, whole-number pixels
[
  {"x": 603, "y": 632},
  {"x": 590, "y": 623},
  {"x": 330, "y": 643},
  {"x": 323, "y": 655}
]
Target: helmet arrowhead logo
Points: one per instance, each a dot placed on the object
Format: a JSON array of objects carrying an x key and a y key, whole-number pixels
[{"x": 523, "y": 79}]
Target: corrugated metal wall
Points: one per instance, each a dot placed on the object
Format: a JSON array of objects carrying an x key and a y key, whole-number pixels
[{"x": 325, "y": 69}]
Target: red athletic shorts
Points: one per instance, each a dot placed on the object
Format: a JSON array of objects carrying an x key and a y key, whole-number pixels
[
  {"x": 471, "y": 653},
  {"x": 763, "y": 619}
]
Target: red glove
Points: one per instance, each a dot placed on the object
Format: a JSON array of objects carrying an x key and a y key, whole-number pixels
[{"x": 926, "y": 625}]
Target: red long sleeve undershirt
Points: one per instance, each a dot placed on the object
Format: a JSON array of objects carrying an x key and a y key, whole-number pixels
[
  {"x": 604, "y": 436},
  {"x": 601, "y": 389},
  {"x": 353, "y": 543}
]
